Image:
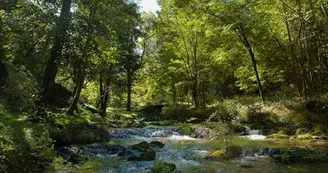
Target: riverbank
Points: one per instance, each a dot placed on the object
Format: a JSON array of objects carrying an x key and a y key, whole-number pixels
[{"x": 208, "y": 132}]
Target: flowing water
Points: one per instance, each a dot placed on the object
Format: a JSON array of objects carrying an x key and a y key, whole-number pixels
[{"x": 189, "y": 154}]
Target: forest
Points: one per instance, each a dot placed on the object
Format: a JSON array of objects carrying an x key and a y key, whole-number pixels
[{"x": 198, "y": 86}]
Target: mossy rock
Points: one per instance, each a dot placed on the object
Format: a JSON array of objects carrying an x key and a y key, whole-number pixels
[
  {"x": 77, "y": 158},
  {"x": 302, "y": 137},
  {"x": 233, "y": 151},
  {"x": 163, "y": 167},
  {"x": 186, "y": 129},
  {"x": 278, "y": 136},
  {"x": 142, "y": 146},
  {"x": 230, "y": 152},
  {"x": 301, "y": 131},
  {"x": 90, "y": 166},
  {"x": 148, "y": 155},
  {"x": 156, "y": 144},
  {"x": 218, "y": 155},
  {"x": 298, "y": 155}
]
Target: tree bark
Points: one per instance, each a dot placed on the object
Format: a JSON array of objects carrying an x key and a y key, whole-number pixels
[
  {"x": 245, "y": 41},
  {"x": 129, "y": 91},
  {"x": 296, "y": 76},
  {"x": 103, "y": 96},
  {"x": 62, "y": 26},
  {"x": 195, "y": 86},
  {"x": 76, "y": 96}
]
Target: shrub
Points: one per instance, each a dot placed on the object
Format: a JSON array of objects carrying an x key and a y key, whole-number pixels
[
  {"x": 177, "y": 113},
  {"x": 185, "y": 129},
  {"x": 163, "y": 167},
  {"x": 21, "y": 89},
  {"x": 80, "y": 134},
  {"x": 6, "y": 147}
]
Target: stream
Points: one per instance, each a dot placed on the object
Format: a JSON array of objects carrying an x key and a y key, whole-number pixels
[{"x": 189, "y": 154}]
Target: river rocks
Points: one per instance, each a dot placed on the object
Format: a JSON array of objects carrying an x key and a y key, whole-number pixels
[
  {"x": 297, "y": 155},
  {"x": 301, "y": 131},
  {"x": 148, "y": 155},
  {"x": 142, "y": 146},
  {"x": 233, "y": 151},
  {"x": 230, "y": 152},
  {"x": 117, "y": 149},
  {"x": 202, "y": 132},
  {"x": 218, "y": 155},
  {"x": 156, "y": 144}
]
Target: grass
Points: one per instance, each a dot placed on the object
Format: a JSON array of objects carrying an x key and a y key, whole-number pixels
[{"x": 24, "y": 145}]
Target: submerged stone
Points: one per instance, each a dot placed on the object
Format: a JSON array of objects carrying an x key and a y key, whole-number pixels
[{"x": 117, "y": 149}]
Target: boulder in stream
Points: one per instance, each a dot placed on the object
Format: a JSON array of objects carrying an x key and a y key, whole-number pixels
[
  {"x": 142, "y": 146},
  {"x": 156, "y": 144},
  {"x": 148, "y": 155},
  {"x": 202, "y": 132},
  {"x": 297, "y": 155},
  {"x": 230, "y": 152}
]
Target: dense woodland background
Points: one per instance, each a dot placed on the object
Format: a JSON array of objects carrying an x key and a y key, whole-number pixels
[{"x": 61, "y": 58}]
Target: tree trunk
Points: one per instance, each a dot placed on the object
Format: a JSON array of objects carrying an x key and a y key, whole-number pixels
[
  {"x": 195, "y": 94},
  {"x": 3, "y": 76},
  {"x": 2, "y": 49},
  {"x": 62, "y": 23},
  {"x": 174, "y": 93},
  {"x": 76, "y": 95},
  {"x": 129, "y": 91},
  {"x": 251, "y": 53},
  {"x": 296, "y": 75},
  {"x": 103, "y": 96}
]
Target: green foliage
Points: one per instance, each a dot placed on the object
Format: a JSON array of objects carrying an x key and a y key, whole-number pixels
[
  {"x": 6, "y": 147},
  {"x": 177, "y": 113},
  {"x": 21, "y": 89},
  {"x": 78, "y": 134},
  {"x": 90, "y": 166},
  {"x": 219, "y": 155},
  {"x": 186, "y": 129},
  {"x": 24, "y": 146}
]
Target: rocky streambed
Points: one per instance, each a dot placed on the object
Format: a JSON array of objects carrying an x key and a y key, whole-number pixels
[{"x": 142, "y": 149}]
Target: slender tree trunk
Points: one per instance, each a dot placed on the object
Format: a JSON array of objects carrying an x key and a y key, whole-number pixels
[
  {"x": 62, "y": 23},
  {"x": 174, "y": 94},
  {"x": 3, "y": 76},
  {"x": 295, "y": 70},
  {"x": 101, "y": 96},
  {"x": 80, "y": 67},
  {"x": 251, "y": 53},
  {"x": 195, "y": 86},
  {"x": 76, "y": 97},
  {"x": 2, "y": 49},
  {"x": 129, "y": 91},
  {"x": 104, "y": 95}
]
